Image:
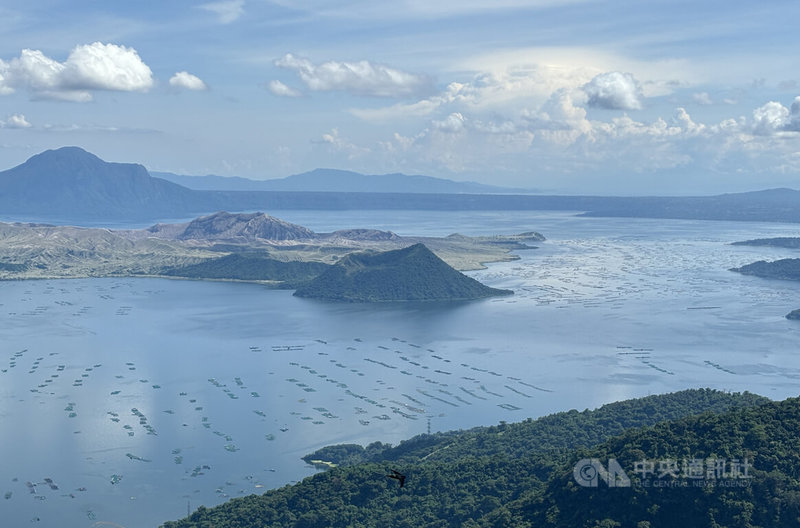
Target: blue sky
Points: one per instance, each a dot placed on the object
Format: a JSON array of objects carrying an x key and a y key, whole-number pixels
[{"x": 568, "y": 96}]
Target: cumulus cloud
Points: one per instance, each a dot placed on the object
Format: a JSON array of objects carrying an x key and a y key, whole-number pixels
[
  {"x": 773, "y": 118},
  {"x": 106, "y": 67},
  {"x": 560, "y": 139},
  {"x": 452, "y": 124},
  {"x": 227, "y": 11},
  {"x": 95, "y": 66},
  {"x": 359, "y": 78},
  {"x": 769, "y": 118},
  {"x": 281, "y": 90},
  {"x": 15, "y": 121},
  {"x": 187, "y": 81},
  {"x": 615, "y": 91},
  {"x": 684, "y": 121},
  {"x": 520, "y": 86}
]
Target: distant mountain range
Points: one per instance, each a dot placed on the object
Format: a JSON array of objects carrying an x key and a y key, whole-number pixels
[
  {"x": 333, "y": 180},
  {"x": 70, "y": 185}
]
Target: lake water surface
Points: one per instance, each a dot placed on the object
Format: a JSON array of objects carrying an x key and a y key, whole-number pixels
[{"x": 126, "y": 401}]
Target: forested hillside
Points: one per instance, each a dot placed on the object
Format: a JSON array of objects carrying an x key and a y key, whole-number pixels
[{"x": 521, "y": 475}]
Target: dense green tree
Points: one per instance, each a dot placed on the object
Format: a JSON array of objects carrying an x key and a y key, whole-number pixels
[{"x": 521, "y": 475}]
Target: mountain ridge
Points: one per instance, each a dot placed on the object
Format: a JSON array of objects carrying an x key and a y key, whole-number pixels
[
  {"x": 338, "y": 180},
  {"x": 70, "y": 180},
  {"x": 70, "y": 185}
]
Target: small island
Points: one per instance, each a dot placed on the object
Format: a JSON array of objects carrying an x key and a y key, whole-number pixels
[
  {"x": 784, "y": 269},
  {"x": 784, "y": 242},
  {"x": 413, "y": 273},
  {"x": 354, "y": 265}
]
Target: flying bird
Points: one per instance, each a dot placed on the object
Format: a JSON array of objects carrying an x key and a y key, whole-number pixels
[{"x": 398, "y": 476}]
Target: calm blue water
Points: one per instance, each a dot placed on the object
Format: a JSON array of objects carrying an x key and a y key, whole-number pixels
[{"x": 216, "y": 389}]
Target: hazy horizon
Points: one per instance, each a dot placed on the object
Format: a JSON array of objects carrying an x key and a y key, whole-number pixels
[{"x": 180, "y": 179}]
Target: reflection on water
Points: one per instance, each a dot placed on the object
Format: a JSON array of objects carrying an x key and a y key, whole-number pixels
[{"x": 129, "y": 400}]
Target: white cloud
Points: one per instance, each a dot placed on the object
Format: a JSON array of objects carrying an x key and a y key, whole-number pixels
[
  {"x": 455, "y": 92},
  {"x": 359, "y": 78},
  {"x": 452, "y": 124},
  {"x": 281, "y": 90},
  {"x": 187, "y": 81},
  {"x": 524, "y": 85},
  {"x": 770, "y": 118},
  {"x": 561, "y": 120},
  {"x": 106, "y": 67},
  {"x": 560, "y": 142},
  {"x": 683, "y": 120},
  {"x": 15, "y": 121},
  {"x": 227, "y": 10},
  {"x": 557, "y": 67},
  {"x": 89, "y": 67},
  {"x": 614, "y": 90},
  {"x": 702, "y": 98},
  {"x": 563, "y": 108},
  {"x": 40, "y": 74},
  {"x": 774, "y": 118}
]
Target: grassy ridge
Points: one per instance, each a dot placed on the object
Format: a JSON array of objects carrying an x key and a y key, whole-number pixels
[{"x": 250, "y": 267}]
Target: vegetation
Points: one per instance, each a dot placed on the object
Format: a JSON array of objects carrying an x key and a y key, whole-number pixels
[
  {"x": 521, "y": 475},
  {"x": 786, "y": 269},
  {"x": 414, "y": 273},
  {"x": 12, "y": 266},
  {"x": 768, "y": 435},
  {"x": 558, "y": 432},
  {"x": 38, "y": 251},
  {"x": 250, "y": 267},
  {"x": 783, "y": 269}
]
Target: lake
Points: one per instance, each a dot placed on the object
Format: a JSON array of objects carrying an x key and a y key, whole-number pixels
[{"x": 127, "y": 401}]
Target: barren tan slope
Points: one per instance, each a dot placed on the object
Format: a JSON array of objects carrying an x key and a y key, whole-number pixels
[{"x": 30, "y": 251}]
